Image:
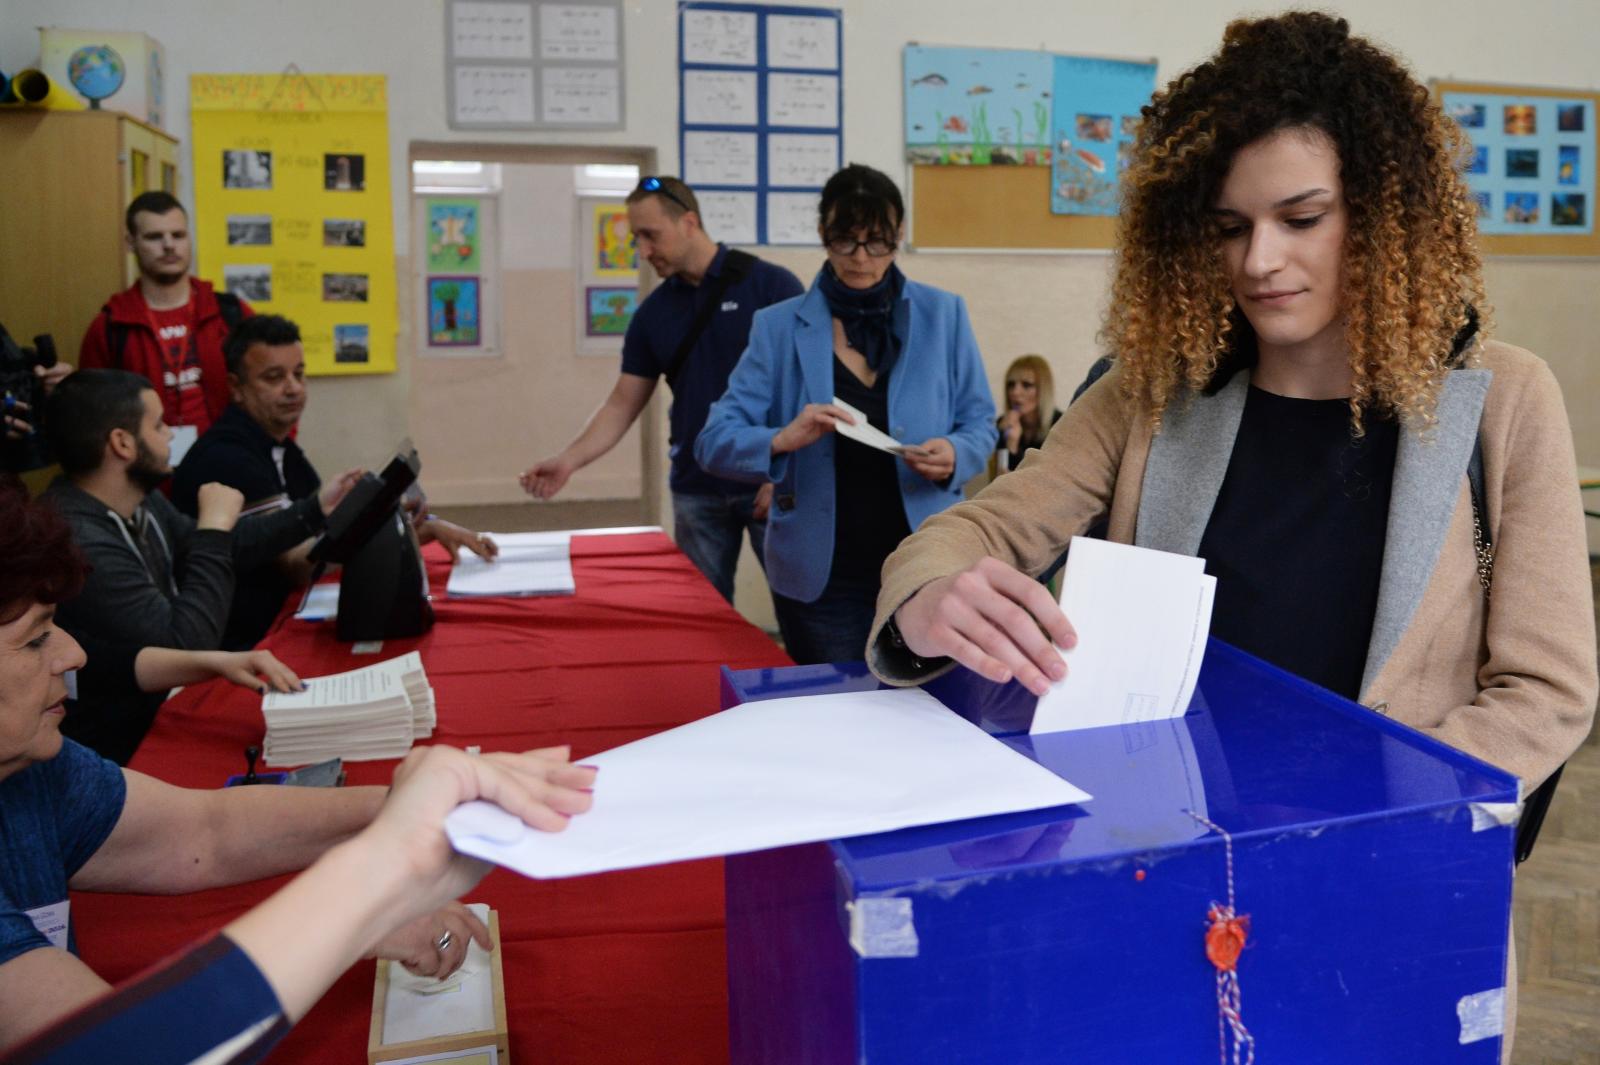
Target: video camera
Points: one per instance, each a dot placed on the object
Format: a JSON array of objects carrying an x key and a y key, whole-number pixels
[{"x": 22, "y": 393}]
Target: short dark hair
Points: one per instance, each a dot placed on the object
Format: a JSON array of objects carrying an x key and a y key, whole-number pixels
[
  {"x": 40, "y": 564},
  {"x": 158, "y": 201},
  {"x": 860, "y": 198},
  {"x": 269, "y": 329},
  {"x": 83, "y": 410},
  {"x": 677, "y": 199}
]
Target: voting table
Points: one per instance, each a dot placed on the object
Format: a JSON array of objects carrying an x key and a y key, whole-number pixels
[
  {"x": 1374, "y": 865},
  {"x": 620, "y": 968}
]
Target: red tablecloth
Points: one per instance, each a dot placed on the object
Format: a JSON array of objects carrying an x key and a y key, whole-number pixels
[{"x": 624, "y": 967}]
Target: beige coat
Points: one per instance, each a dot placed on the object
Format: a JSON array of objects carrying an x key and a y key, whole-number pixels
[{"x": 1508, "y": 678}]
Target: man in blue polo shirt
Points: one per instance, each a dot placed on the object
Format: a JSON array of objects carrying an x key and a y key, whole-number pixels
[{"x": 691, "y": 330}]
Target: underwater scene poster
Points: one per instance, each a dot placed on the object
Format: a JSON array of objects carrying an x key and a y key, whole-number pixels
[
  {"x": 977, "y": 106},
  {"x": 1096, "y": 120}
]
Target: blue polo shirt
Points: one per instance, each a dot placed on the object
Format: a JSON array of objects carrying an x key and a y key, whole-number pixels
[{"x": 659, "y": 326}]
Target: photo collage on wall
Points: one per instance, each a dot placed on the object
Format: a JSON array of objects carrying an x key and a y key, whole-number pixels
[
  {"x": 292, "y": 211},
  {"x": 333, "y": 280},
  {"x": 1531, "y": 161}
]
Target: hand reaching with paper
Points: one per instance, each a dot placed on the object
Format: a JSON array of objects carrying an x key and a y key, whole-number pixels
[
  {"x": 368, "y": 893},
  {"x": 997, "y": 622},
  {"x": 814, "y": 421},
  {"x": 934, "y": 459}
]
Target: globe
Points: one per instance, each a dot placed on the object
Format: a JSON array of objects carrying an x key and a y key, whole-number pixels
[{"x": 96, "y": 71}]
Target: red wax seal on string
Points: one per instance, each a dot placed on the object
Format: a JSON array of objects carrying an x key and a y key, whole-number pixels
[{"x": 1225, "y": 938}]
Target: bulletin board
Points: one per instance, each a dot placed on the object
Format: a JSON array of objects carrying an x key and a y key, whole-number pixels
[
  {"x": 534, "y": 64},
  {"x": 760, "y": 112},
  {"x": 1011, "y": 148},
  {"x": 292, "y": 207},
  {"x": 1532, "y": 166}
]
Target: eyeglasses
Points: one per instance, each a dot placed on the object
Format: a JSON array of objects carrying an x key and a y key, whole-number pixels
[
  {"x": 877, "y": 247},
  {"x": 655, "y": 184}
]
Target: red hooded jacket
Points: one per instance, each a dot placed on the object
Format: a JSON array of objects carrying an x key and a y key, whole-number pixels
[{"x": 128, "y": 312}]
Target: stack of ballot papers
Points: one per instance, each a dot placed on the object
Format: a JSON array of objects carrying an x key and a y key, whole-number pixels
[
  {"x": 376, "y": 711},
  {"x": 773, "y": 773},
  {"x": 1142, "y": 619},
  {"x": 535, "y": 563}
]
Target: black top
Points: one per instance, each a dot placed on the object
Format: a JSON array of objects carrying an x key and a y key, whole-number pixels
[
  {"x": 869, "y": 516},
  {"x": 1296, "y": 537},
  {"x": 108, "y": 713},
  {"x": 238, "y": 452},
  {"x": 658, "y": 328}
]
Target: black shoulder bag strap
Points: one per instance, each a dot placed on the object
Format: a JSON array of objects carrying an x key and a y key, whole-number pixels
[
  {"x": 735, "y": 265},
  {"x": 1537, "y": 804}
]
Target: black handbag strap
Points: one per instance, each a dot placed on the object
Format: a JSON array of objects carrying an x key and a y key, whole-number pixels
[{"x": 735, "y": 265}]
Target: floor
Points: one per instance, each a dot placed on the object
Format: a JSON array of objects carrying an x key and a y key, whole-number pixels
[
  {"x": 1557, "y": 910},
  {"x": 1558, "y": 921}
]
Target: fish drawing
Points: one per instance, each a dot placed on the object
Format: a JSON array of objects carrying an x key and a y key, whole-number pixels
[
  {"x": 955, "y": 124},
  {"x": 918, "y": 126},
  {"x": 978, "y": 90},
  {"x": 935, "y": 80}
]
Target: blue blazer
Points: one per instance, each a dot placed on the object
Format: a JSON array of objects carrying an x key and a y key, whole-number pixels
[{"x": 938, "y": 387}]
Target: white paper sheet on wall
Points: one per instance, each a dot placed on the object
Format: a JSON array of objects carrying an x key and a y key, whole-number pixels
[
  {"x": 577, "y": 31},
  {"x": 492, "y": 31},
  {"x": 801, "y": 158},
  {"x": 771, "y": 774},
  {"x": 712, "y": 158},
  {"x": 803, "y": 100},
  {"x": 729, "y": 216},
  {"x": 719, "y": 98},
  {"x": 792, "y": 217},
  {"x": 803, "y": 43},
  {"x": 723, "y": 37},
  {"x": 581, "y": 95},
  {"x": 494, "y": 95}
]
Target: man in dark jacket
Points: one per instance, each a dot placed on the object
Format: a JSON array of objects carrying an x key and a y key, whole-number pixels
[
  {"x": 252, "y": 448},
  {"x": 167, "y": 327},
  {"x": 158, "y": 578}
]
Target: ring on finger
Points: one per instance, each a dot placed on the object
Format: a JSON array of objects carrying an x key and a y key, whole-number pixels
[{"x": 444, "y": 941}]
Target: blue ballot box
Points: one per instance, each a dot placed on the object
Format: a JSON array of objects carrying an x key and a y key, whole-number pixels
[{"x": 1374, "y": 865}]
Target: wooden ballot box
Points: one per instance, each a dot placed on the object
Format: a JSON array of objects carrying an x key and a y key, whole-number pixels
[
  {"x": 466, "y": 1024},
  {"x": 1373, "y": 864}
]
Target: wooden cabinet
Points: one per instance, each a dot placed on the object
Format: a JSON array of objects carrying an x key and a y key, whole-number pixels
[{"x": 68, "y": 177}]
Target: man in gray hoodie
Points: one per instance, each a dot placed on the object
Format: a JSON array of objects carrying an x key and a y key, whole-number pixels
[{"x": 157, "y": 578}]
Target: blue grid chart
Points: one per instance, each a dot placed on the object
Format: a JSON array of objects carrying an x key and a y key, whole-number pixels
[{"x": 760, "y": 116}]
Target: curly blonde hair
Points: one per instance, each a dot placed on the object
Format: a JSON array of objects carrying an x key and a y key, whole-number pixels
[{"x": 1412, "y": 278}]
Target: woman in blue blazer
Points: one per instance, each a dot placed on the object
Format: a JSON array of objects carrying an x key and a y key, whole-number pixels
[{"x": 900, "y": 354}]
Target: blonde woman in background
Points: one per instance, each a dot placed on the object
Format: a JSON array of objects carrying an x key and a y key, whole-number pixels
[{"x": 1029, "y": 413}]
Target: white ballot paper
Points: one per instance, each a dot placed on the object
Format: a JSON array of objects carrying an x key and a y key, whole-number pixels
[
  {"x": 770, "y": 774},
  {"x": 538, "y": 563},
  {"x": 320, "y": 603},
  {"x": 1142, "y": 617},
  {"x": 862, "y": 432}
]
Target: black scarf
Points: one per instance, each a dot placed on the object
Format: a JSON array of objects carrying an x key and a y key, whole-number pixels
[{"x": 867, "y": 315}]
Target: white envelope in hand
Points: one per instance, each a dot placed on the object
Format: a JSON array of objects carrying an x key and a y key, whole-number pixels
[{"x": 862, "y": 431}]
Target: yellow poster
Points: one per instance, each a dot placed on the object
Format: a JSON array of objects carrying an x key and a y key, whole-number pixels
[
  {"x": 614, "y": 254},
  {"x": 292, "y": 207}
]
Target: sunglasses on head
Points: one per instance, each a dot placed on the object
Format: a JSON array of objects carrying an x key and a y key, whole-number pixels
[{"x": 655, "y": 184}]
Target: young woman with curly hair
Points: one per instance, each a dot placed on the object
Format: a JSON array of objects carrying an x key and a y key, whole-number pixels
[{"x": 1303, "y": 381}]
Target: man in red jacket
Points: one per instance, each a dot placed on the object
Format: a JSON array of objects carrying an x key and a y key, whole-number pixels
[{"x": 168, "y": 326}]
